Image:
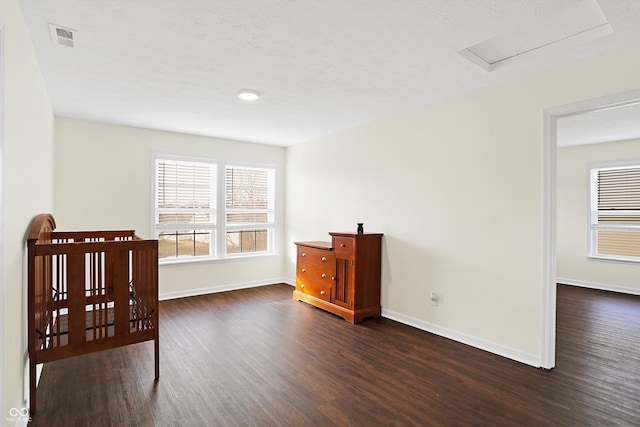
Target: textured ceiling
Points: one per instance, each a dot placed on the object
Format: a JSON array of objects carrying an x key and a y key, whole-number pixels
[
  {"x": 321, "y": 65},
  {"x": 615, "y": 124}
]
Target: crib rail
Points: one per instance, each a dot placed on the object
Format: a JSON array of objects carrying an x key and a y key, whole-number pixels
[{"x": 89, "y": 291}]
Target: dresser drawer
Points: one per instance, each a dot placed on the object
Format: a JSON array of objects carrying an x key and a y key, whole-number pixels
[
  {"x": 325, "y": 275},
  {"x": 344, "y": 245},
  {"x": 320, "y": 257},
  {"x": 314, "y": 289}
]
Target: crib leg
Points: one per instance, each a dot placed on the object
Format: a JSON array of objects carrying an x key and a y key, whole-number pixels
[
  {"x": 32, "y": 388},
  {"x": 157, "y": 357}
]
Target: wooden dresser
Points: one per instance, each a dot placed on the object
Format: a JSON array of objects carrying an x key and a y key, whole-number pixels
[{"x": 341, "y": 276}]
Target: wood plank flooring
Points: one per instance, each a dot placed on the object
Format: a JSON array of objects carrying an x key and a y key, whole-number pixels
[{"x": 255, "y": 357}]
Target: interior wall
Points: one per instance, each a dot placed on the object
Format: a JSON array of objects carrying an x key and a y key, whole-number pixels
[
  {"x": 573, "y": 218},
  {"x": 103, "y": 181},
  {"x": 457, "y": 190},
  {"x": 27, "y": 187}
]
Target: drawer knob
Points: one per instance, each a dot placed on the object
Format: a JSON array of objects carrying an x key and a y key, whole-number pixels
[
  {"x": 322, "y": 292},
  {"x": 302, "y": 285},
  {"x": 324, "y": 258},
  {"x": 304, "y": 270},
  {"x": 324, "y": 275},
  {"x": 304, "y": 254},
  {"x": 342, "y": 245},
  {"x": 333, "y": 278}
]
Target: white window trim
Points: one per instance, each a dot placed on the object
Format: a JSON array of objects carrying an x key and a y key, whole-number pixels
[
  {"x": 220, "y": 229},
  {"x": 592, "y": 245}
]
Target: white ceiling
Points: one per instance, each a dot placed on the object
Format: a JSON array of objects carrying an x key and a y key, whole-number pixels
[
  {"x": 614, "y": 124},
  {"x": 321, "y": 65}
]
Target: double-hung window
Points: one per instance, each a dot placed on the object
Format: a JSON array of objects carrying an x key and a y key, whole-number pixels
[
  {"x": 249, "y": 209},
  {"x": 185, "y": 207},
  {"x": 615, "y": 212},
  {"x": 209, "y": 209}
]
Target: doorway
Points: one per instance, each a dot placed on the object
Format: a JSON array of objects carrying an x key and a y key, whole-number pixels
[{"x": 550, "y": 129}]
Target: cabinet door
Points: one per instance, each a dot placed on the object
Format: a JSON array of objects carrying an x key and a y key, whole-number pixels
[{"x": 343, "y": 295}]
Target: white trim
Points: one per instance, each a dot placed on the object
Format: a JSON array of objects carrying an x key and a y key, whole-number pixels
[
  {"x": 240, "y": 257},
  {"x": 548, "y": 303},
  {"x": 22, "y": 422},
  {"x": 550, "y": 116},
  {"x": 613, "y": 258},
  {"x": 2, "y": 311},
  {"x": 598, "y": 286},
  {"x": 492, "y": 347},
  {"x": 222, "y": 288}
]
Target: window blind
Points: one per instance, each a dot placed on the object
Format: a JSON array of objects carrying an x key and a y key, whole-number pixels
[
  {"x": 183, "y": 185},
  {"x": 619, "y": 189},
  {"x": 247, "y": 194}
]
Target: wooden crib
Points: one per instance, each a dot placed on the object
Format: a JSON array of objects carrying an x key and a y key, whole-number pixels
[{"x": 88, "y": 291}]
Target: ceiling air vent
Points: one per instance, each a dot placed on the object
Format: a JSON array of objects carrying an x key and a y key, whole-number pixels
[{"x": 62, "y": 36}]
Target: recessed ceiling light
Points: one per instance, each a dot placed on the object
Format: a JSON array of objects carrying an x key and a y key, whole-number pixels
[{"x": 248, "y": 95}]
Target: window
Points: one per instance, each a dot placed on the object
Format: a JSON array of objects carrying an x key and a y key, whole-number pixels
[
  {"x": 249, "y": 213},
  {"x": 193, "y": 220},
  {"x": 185, "y": 208},
  {"x": 615, "y": 212}
]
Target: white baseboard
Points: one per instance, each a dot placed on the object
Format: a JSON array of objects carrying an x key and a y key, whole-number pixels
[
  {"x": 598, "y": 286},
  {"x": 18, "y": 421},
  {"x": 499, "y": 349},
  {"x": 222, "y": 288}
]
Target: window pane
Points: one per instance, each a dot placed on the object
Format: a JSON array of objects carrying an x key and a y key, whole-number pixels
[
  {"x": 247, "y": 241},
  {"x": 233, "y": 242},
  {"x": 625, "y": 243},
  {"x": 183, "y": 184},
  {"x": 175, "y": 243},
  {"x": 255, "y": 217},
  {"x": 619, "y": 219},
  {"x": 619, "y": 188},
  {"x": 184, "y": 218},
  {"x": 262, "y": 240},
  {"x": 247, "y": 188}
]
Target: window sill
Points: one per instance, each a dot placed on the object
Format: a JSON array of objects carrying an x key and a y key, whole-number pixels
[
  {"x": 613, "y": 259},
  {"x": 187, "y": 261}
]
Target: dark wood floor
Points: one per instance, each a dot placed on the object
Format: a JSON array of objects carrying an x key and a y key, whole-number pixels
[{"x": 257, "y": 358}]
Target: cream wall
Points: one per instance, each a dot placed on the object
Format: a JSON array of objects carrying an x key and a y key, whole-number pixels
[
  {"x": 103, "y": 181},
  {"x": 457, "y": 188},
  {"x": 573, "y": 219},
  {"x": 27, "y": 188}
]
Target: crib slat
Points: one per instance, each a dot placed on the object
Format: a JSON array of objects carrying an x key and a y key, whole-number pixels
[
  {"x": 121, "y": 291},
  {"x": 76, "y": 286}
]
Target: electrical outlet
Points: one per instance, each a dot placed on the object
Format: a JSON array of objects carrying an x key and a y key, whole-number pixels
[{"x": 434, "y": 298}]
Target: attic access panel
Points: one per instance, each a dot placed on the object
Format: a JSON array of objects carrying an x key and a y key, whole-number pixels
[{"x": 568, "y": 26}]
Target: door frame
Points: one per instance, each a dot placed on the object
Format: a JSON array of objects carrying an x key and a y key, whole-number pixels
[
  {"x": 550, "y": 153},
  {"x": 2, "y": 49}
]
